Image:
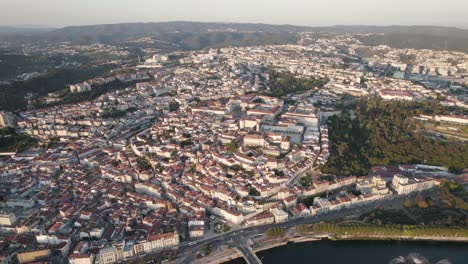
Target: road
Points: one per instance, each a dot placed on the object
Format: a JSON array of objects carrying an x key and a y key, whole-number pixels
[
  {"x": 246, "y": 251},
  {"x": 187, "y": 252}
]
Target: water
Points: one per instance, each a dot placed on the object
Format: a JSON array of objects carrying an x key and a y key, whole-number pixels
[{"x": 361, "y": 252}]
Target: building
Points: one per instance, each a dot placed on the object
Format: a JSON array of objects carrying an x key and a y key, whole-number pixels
[
  {"x": 7, "y": 219},
  {"x": 457, "y": 119},
  {"x": 373, "y": 184},
  {"x": 323, "y": 205},
  {"x": 77, "y": 258},
  {"x": 7, "y": 119},
  {"x": 280, "y": 215},
  {"x": 161, "y": 241},
  {"x": 304, "y": 115},
  {"x": 404, "y": 185},
  {"x": 196, "y": 231},
  {"x": 261, "y": 219},
  {"x": 34, "y": 255},
  {"x": 255, "y": 140},
  {"x": 80, "y": 87},
  {"x": 108, "y": 255}
]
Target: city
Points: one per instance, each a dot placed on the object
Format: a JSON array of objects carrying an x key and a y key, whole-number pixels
[{"x": 170, "y": 155}]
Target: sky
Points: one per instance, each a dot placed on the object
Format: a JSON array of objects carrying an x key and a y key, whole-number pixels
[{"x": 60, "y": 13}]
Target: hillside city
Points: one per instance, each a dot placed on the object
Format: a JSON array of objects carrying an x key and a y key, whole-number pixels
[{"x": 189, "y": 147}]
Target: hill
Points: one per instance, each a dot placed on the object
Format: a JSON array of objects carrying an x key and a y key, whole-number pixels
[
  {"x": 120, "y": 32},
  {"x": 22, "y": 31},
  {"x": 196, "y": 35}
]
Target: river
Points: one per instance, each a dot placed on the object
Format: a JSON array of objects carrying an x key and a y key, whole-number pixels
[{"x": 362, "y": 252}]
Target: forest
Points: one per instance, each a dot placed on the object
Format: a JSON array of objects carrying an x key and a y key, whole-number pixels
[
  {"x": 381, "y": 132},
  {"x": 11, "y": 141},
  {"x": 12, "y": 96},
  {"x": 282, "y": 84}
]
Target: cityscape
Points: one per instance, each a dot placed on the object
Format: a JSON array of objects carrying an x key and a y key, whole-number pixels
[{"x": 158, "y": 148}]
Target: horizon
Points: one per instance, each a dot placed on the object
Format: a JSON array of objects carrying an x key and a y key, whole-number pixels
[
  {"x": 63, "y": 13},
  {"x": 39, "y": 26}
]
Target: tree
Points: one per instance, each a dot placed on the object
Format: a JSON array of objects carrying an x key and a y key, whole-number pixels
[
  {"x": 231, "y": 147},
  {"x": 207, "y": 249},
  {"x": 174, "y": 106},
  {"x": 418, "y": 198},
  {"x": 253, "y": 192},
  {"x": 282, "y": 84},
  {"x": 144, "y": 164},
  {"x": 422, "y": 204},
  {"x": 275, "y": 232},
  {"x": 306, "y": 181},
  {"x": 407, "y": 203},
  {"x": 383, "y": 133}
]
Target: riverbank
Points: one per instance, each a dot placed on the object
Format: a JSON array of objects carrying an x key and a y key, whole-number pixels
[
  {"x": 362, "y": 252},
  {"x": 221, "y": 255},
  {"x": 273, "y": 243},
  {"x": 403, "y": 238},
  {"x": 292, "y": 236}
]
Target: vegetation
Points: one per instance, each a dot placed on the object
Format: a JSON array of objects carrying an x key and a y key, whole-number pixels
[
  {"x": 304, "y": 228},
  {"x": 72, "y": 98},
  {"x": 421, "y": 202},
  {"x": 221, "y": 228},
  {"x": 253, "y": 192},
  {"x": 275, "y": 232},
  {"x": 382, "y": 134},
  {"x": 426, "y": 40},
  {"x": 452, "y": 195},
  {"x": 11, "y": 141},
  {"x": 306, "y": 181},
  {"x": 389, "y": 230},
  {"x": 12, "y": 97},
  {"x": 13, "y": 64},
  {"x": 174, "y": 106},
  {"x": 388, "y": 217},
  {"x": 144, "y": 164},
  {"x": 237, "y": 167},
  {"x": 157, "y": 257},
  {"x": 183, "y": 35},
  {"x": 282, "y": 84},
  {"x": 441, "y": 208},
  {"x": 116, "y": 113},
  {"x": 407, "y": 203},
  {"x": 231, "y": 146},
  {"x": 207, "y": 249}
]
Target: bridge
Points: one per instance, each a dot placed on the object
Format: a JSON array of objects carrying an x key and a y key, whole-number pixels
[{"x": 244, "y": 248}]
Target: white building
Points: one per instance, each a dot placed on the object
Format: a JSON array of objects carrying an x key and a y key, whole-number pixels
[
  {"x": 254, "y": 140},
  {"x": 108, "y": 255},
  {"x": 7, "y": 119},
  {"x": 7, "y": 219},
  {"x": 80, "y": 87},
  {"x": 81, "y": 258},
  {"x": 374, "y": 184},
  {"x": 404, "y": 185},
  {"x": 280, "y": 215}
]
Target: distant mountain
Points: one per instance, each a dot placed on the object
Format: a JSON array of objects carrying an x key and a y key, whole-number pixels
[
  {"x": 417, "y": 37},
  {"x": 126, "y": 30},
  {"x": 417, "y": 30},
  {"x": 197, "y": 35},
  {"x": 22, "y": 31},
  {"x": 120, "y": 32}
]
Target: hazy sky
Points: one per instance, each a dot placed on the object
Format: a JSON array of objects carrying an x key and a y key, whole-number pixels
[{"x": 300, "y": 12}]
